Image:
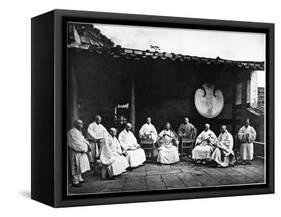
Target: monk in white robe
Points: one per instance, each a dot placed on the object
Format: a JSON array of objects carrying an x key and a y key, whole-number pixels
[
  {"x": 204, "y": 145},
  {"x": 168, "y": 150},
  {"x": 111, "y": 155},
  {"x": 223, "y": 155},
  {"x": 247, "y": 136},
  {"x": 96, "y": 134},
  {"x": 130, "y": 147},
  {"x": 148, "y": 136},
  {"x": 148, "y": 131},
  {"x": 78, "y": 147}
]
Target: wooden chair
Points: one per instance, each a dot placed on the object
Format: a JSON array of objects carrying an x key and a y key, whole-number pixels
[
  {"x": 104, "y": 172},
  {"x": 101, "y": 170},
  {"x": 187, "y": 143},
  {"x": 95, "y": 165},
  {"x": 147, "y": 145}
]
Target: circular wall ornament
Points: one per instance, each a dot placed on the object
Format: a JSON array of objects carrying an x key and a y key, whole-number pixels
[{"x": 208, "y": 101}]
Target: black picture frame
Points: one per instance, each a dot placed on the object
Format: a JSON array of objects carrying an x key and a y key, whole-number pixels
[{"x": 48, "y": 37}]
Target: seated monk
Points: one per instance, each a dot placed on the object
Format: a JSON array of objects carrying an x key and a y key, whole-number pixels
[
  {"x": 132, "y": 150},
  {"x": 111, "y": 155},
  {"x": 223, "y": 155},
  {"x": 148, "y": 133},
  {"x": 187, "y": 130},
  {"x": 204, "y": 145},
  {"x": 168, "y": 141}
]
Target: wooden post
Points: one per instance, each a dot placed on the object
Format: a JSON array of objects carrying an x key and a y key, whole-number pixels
[
  {"x": 73, "y": 112},
  {"x": 244, "y": 100},
  {"x": 132, "y": 106},
  {"x": 234, "y": 121}
]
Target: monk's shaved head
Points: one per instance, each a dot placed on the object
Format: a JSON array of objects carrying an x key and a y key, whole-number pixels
[
  {"x": 98, "y": 119},
  {"x": 78, "y": 124},
  {"x": 168, "y": 125},
  {"x": 207, "y": 126},
  {"x": 223, "y": 128},
  {"x": 247, "y": 122},
  {"x": 128, "y": 126},
  {"x": 112, "y": 131}
]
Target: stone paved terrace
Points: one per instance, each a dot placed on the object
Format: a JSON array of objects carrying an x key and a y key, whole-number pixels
[{"x": 184, "y": 174}]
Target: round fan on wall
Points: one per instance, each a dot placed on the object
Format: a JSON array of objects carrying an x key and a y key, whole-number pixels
[{"x": 208, "y": 101}]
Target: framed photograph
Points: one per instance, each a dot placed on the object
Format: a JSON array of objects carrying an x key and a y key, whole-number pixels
[{"x": 134, "y": 108}]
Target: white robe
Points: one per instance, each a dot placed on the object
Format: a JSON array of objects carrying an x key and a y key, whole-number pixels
[
  {"x": 111, "y": 156},
  {"x": 95, "y": 132},
  {"x": 134, "y": 154},
  {"x": 168, "y": 152},
  {"x": 204, "y": 148},
  {"x": 223, "y": 154},
  {"x": 148, "y": 131},
  {"x": 247, "y": 136},
  {"x": 78, "y": 146}
]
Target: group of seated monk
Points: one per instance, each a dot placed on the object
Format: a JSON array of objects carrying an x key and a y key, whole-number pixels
[
  {"x": 167, "y": 141},
  {"x": 209, "y": 147},
  {"x": 117, "y": 155},
  {"x": 219, "y": 150}
]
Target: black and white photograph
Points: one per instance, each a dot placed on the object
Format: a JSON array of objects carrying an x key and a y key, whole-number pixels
[
  {"x": 140, "y": 108},
  {"x": 161, "y": 108}
]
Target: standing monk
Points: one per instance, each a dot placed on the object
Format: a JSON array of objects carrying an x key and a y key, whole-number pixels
[
  {"x": 204, "y": 145},
  {"x": 247, "y": 136},
  {"x": 132, "y": 150},
  {"x": 78, "y": 146},
  {"x": 96, "y": 134}
]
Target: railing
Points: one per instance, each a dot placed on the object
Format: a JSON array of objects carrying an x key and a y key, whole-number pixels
[
  {"x": 259, "y": 149},
  {"x": 259, "y": 143}
]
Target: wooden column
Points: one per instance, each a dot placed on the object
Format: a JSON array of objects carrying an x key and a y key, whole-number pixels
[
  {"x": 132, "y": 105},
  {"x": 244, "y": 100},
  {"x": 73, "y": 112},
  {"x": 234, "y": 113}
]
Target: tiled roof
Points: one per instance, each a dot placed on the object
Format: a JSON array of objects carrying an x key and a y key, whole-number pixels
[
  {"x": 87, "y": 34},
  {"x": 135, "y": 54},
  {"x": 129, "y": 53}
]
